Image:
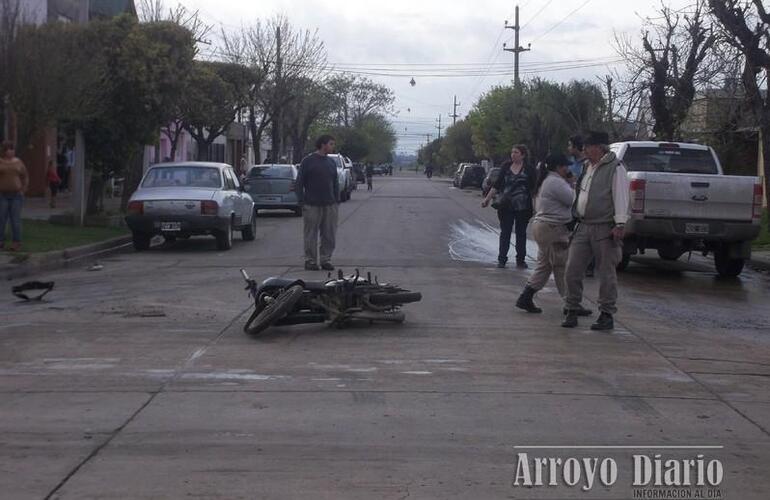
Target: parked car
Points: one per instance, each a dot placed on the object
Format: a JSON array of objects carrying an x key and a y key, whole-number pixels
[
  {"x": 490, "y": 180},
  {"x": 344, "y": 176},
  {"x": 469, "y": 175},
  {"x": 178, "y": 200},
  {"x": 273, "y": 186},
  {"x": 681, "y": 201},
  {"x": 380, "y": 170}
]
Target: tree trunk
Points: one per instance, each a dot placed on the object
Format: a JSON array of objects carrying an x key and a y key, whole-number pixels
[
  {"x": 204, "y": 149},
  {"x": 765, "y": 133},
  {"x": 95, "y": 193},
  {"x": 132, "y": 176}
]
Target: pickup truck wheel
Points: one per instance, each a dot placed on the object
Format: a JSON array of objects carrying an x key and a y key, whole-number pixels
[
  {"x": 141, "y": 241},
  {"x": 225, "y": 237},
  {"x": 727, "y": 267},
  {"x": 667, "y": 254},
  {"x": 249, "y": 233},
  {"x": 624, "y": 261}
]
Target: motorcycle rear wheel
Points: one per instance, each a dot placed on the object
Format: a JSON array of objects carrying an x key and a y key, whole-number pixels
[{"x": 263, "y": 318}]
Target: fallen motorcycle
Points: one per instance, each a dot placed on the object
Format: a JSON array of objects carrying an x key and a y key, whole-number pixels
[{"x": 341, "y": 301}]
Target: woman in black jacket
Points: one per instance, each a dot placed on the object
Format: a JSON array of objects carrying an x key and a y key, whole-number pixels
[{"x": 516, "y": 183}]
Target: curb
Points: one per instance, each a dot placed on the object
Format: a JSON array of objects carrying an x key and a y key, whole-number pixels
[{"x": 60, "y": 259}]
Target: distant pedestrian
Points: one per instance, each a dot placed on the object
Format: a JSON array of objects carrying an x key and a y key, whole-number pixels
[
  {"x": 512, "y": 194},
  {"x": 369, "y": 176},
  {"x": 553, "y": 202},
  {"x": 13, "y": 184},
  {"x": 54, "y": 181},
  {"x": 576, "y": 150},
  {"x": 429, "y": 171},
  {"x": 601, "y": 208},
  {"x": 318, "y": 191}
]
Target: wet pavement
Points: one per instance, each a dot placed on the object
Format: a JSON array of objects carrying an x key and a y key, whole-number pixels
[{"x": 137, "y": 382}]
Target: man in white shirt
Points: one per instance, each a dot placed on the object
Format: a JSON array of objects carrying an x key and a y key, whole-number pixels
[{"x": 601, "y": 208}]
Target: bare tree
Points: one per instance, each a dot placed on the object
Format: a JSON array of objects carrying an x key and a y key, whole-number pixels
[
  {"x": 155, "y": 11},
  {"x": 747, "y": 24},
  {"x": 671, "y": 63}
]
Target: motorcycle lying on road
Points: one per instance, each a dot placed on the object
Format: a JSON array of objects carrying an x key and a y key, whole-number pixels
[{"x": 281, "y": 301}]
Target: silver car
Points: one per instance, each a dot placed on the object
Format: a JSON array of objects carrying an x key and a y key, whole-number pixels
[
  {"x": 178, "y": 200},
  {"x": 344, "y": 176},
  {"x": 273, "y": 187}
]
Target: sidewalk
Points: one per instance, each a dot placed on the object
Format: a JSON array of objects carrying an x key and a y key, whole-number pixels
[
  {"x": 760, "y": 260},
  {"x": 39, "y": 208}
]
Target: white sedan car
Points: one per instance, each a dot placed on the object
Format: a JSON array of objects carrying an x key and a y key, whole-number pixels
[{"x": 178, "y": 200}]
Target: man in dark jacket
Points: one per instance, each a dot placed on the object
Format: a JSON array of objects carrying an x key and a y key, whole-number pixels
[{"x": 318, "y": 191}]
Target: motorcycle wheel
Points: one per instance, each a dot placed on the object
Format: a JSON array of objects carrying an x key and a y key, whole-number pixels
[
  {"x": 262, "y": 319},
  {"x": 394, "y": 298}
]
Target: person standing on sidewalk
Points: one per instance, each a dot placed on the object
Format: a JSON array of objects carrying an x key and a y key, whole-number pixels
[
  {"x": 553, "y": 201},
  {"x": 515, "y": 184},
  {"x": 13, "y": 184},
  {"x": 369, "y": 175},
  {"x": 54, "y": 181},
  {"x": 318, "y": 191},
  {"x": 601, "y": 209}
]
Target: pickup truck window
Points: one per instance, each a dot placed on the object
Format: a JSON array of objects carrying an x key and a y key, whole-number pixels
[{"x": 673, "y": 160}]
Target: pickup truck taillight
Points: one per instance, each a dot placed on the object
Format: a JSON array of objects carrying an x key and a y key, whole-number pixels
[
  {"x": 135, "y": 208},
  {"x": 209, "y": 207},
  {"x": 758, "y": 198},
  {"x": 638, "y": 187}
]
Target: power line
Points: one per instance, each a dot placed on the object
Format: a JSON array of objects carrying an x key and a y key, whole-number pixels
[
  {"x": 549, "y": 2},
  {"x": 562, "y": 21}
]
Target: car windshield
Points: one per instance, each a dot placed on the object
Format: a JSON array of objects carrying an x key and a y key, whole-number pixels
[
  {"x": 203, "y": 177},
  {"x": 272, "y": 172},
  {"x": 669, "y": 159}
]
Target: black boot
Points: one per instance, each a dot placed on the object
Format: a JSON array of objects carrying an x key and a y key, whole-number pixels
[
  {"x": 525, "y": 301},
  {"x": 604, "y": 322},
  {"x": 571, "y": 321}
]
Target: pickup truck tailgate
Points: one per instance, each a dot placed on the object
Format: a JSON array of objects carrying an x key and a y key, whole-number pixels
[{"x": 696, "y": 196}]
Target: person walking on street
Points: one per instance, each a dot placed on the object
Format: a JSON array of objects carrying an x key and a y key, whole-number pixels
[
  {"x": 553, "y": 202},
  {"x": 369, "y": 176},
  {"x": 514, "y": 185},
  {"x": 318, "y": 190},
  {"x": 13, "y": 184},
  {"x": 601, "y": 209},
  {"x": 54, "y": 181}
]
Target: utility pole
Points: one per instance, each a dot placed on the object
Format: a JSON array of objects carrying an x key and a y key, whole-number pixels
[
  {"x": 454, "y": 114},
  {"x": 277, "y": 119},
  {"x": 439, "y": 127},
  {"x": 517, "y": 49}
]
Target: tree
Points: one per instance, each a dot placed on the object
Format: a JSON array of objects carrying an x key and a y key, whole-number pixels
[
  {"x": 311, "y": 104},
  {"x": 379, "y": 136},
  {"x": 216, "y": 93},
  {"x": 52, "y": 79},
  {"x": 748, "y": 25},
  {"x": 142, "y": 64},
  {"x": 671, "y": 64},
  {"x": 457, "y": 146},
  {"x": 357, "y": 97}
]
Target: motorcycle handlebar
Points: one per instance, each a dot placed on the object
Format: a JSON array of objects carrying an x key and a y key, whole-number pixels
[{"x": 245, "y": 276}]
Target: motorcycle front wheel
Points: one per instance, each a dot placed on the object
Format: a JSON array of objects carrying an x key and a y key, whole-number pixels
[{"x": 263, "y": 318}]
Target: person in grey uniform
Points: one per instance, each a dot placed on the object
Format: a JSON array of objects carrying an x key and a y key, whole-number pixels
[
  {"x": 601, "y": 210},
  {"x": 318, "y": 192},
  {"x": 554, "y": 197}
]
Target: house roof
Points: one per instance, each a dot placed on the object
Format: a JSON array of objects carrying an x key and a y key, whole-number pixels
[{"x": 110, "y": 8}]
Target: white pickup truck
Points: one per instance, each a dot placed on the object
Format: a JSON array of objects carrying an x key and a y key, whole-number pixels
[{"x": 681, "y": 201}]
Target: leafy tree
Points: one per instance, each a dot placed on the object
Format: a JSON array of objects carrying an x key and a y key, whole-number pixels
[
  {"x": 457, "y": 146},
  {"x": 142, "y": 64},
  {"x": 217, "y": 91},
  {"x": 357, "y": 97}
]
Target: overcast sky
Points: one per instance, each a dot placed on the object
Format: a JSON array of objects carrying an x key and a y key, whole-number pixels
[{"x": 435, "y": 32}]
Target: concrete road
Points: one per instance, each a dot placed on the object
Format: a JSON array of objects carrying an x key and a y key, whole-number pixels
[{"x": 137, "y": 382}]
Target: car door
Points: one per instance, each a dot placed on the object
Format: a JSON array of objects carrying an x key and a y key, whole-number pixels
[
  {"x": 230, "y": 193},
  {"x": 243, "y": 200}
]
